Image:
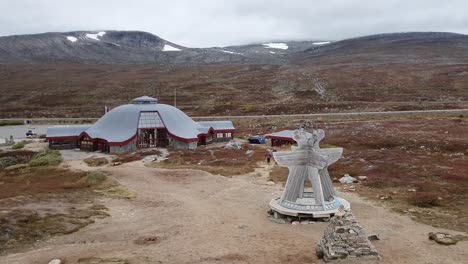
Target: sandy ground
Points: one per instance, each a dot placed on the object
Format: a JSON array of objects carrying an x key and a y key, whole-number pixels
[{"x": 188, "y": 216}]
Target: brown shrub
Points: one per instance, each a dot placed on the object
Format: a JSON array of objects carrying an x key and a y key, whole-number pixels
[
  {"x": 424, "y": 199},
  {"x": 38, "y": 180},
  {"x": 124, "y": 158},
  {"x": 383, "y": 183}
]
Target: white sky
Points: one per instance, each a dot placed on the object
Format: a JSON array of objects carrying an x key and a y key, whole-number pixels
[{"x": 206, "y": 23}]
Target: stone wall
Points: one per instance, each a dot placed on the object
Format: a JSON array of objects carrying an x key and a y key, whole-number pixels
[
  {"x": 174, "y": 143},
  {"x": 130, "y": 147},
  {"x": 345, "y": 238}
]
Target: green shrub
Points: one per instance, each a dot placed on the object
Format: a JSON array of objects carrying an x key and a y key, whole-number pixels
[
  {"x": 249, "y": 109},
  {"x": 7, "y": 162},
  {"x": 11, "y": 123},
  {"x": 95, "y": 177},
  {"x": 46, "y": 157},
  {"x": 42, "y": 136},
  {"x": 18, "y": 145}
]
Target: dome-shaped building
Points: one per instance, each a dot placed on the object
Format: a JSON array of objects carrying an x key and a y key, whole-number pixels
[{"x": 143, "y": 123}]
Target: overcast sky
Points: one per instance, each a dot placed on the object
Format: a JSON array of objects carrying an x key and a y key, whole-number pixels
[{"x": 206, "y": 23}]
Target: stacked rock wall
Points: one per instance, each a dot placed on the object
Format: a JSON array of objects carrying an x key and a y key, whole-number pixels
[{"x": 345, "y": 238}]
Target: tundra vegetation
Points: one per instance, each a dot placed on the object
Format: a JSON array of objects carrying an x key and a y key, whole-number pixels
[{"x": 33, "y": 181}]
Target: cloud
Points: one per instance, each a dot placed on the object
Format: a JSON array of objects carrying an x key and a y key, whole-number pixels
[{"x": 205, "y": 23}]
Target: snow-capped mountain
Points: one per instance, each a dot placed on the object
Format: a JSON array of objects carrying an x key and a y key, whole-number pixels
[{"x": 133, "y": 47}]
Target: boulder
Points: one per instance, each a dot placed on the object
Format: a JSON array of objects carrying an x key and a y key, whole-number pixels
[
  {"x": 347, "y": 179},
  {"x": 232, "y": 145},
  {"x": 443, "y": 238},
  {"x": 55, "y": 261},
  {"x": 362, "y": 178}
]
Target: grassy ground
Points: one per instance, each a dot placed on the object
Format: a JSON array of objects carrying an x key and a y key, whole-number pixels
[
  {"x": 39, "y": 199},
  {"x": 226, "y": 162},
  {"x": 287, "y": 89},
  {"x": 418, "y": 165}
]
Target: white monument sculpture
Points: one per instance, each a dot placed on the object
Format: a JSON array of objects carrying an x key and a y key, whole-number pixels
[{"x": 308, "y": 161}]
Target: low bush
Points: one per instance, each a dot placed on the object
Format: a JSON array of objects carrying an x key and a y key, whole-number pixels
[
  {"x": 424, "y": 199},
  {"x": 249, "y": 109},
  {"x": 95, "y": 177},
  {"x": 95, "y": 162},
  {"x": 46, "y": 157},
  {"x": 18, "y": 145},
  {"x": 11, "y": 123},
  {"x": 8, "y": 161}
]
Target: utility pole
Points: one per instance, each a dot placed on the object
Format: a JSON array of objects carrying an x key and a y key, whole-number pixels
[{"x": 175, "y": 97}]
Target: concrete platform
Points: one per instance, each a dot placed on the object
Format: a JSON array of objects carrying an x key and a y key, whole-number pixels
[{"x": 313, "y": 211}]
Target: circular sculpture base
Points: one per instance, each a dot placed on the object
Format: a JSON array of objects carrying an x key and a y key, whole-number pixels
[{"x": 307, "y": 208}]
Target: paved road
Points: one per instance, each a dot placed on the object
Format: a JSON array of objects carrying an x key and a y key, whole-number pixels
[
  {"x": 346, "y": 114},
  {"x": 19, "y": 132},
  {"x": 343, "y": 114}
]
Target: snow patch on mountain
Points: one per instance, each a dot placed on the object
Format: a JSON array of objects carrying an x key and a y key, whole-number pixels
[
  {"x": 283, "y": 46},
  {"x": 72, "y": 39},
  {"x": 170, "y": 48},
  {"x": 95, "y": 36},
  {"x": 231, "y": 52},
  {"x": 321, "y": 43}
]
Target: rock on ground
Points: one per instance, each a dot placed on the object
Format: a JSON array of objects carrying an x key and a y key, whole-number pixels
[
  {"x": 443, "y": 238},
  {"x": 347, "y": 179}
]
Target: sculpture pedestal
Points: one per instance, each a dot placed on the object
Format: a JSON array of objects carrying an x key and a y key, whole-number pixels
[{"x": 306, "y": 207}]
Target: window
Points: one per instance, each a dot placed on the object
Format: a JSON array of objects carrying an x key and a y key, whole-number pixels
[
  {"x": 150, "y": 120},
  {"x": 219, "y": 135},
  {"x": 228, "y": 135}
]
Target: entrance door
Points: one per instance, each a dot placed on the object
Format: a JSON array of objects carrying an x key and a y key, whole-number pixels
[
  {"x": 146, "y": 138},
  {"x": 162, "y": 140}
]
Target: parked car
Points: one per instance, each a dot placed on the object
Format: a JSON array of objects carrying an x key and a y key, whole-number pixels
[
  {"x": 30, "y": 133},
  {"x": 256, "y": 140}
]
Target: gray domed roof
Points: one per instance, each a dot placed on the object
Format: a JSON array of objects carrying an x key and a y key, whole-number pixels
[
  {"x": 121, "y": 123},
  {"x": 145, "y": 100}
]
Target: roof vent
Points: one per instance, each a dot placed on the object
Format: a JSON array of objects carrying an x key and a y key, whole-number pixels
[{"x": 145, "y": 100}]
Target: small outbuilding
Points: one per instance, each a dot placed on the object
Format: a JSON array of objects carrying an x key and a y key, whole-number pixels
[
  {"x": 144, "y": 123},
  {"x": 284, "y": 137}
]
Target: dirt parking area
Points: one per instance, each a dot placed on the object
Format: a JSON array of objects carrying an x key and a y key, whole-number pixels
[{"x": 186, "y": 216}]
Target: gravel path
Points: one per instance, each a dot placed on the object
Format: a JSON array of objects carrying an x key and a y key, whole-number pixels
[{"x": 185, "y": 216}]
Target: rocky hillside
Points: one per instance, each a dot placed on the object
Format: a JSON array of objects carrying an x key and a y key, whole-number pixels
[
  {"x": 134, "y": 47},
  {"x": 404, "y": 48},
  {"x": 75, "y": 74}
]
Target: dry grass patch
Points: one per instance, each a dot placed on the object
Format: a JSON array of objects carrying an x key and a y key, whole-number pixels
[
  {"x": 25, "y": 226},
  {"x": 225, "y": 162},
  {"x": 419, "y": 162},
  {"x": 116, "y": 192},
  {"x": 95, "y": 161},
  {"x": 278, "y": 174},
  {"x": 125, "y": 158}
]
